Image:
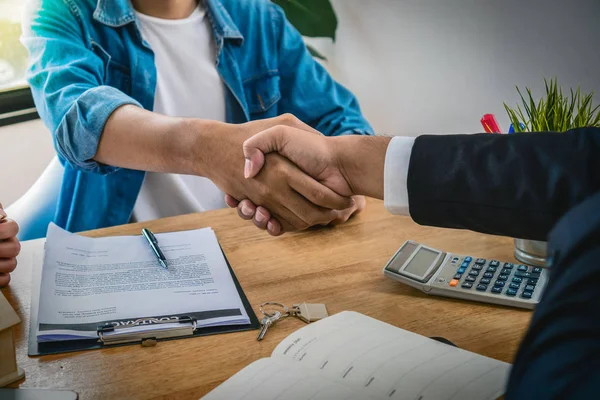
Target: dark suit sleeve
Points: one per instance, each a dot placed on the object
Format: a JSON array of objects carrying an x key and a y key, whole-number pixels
[
  {"x": 515, "y": 185},
  {"x": 560, "y": 355}
]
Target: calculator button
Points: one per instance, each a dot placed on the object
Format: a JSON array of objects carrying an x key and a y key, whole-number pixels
[
  {"x": 464, "y": 265},
  {"x": 453, "y": 282},
  {"x": 470, "y": 279},
  {"x": 499, "y": 283},
  {"x": 455, "y": 259},
  {"x": 468, "y": 259},
  {"x": 482, "y": 288},
  {"x": 461, "y": 270},
  {"x": 457, "y": 276},
  {"x": 480, "y": 261},
  {"x": 514, "y": 285},
  {"x": 526, "y": 295},
  {"x": 502, "y": 277},
  {"x": 485, "y": 281},
  {"x": 491, "y": 269},
  {"x": 532, "y": 281},
  {"x": 467, "y": 285},
  {"x": 474, "y": 273},
  {"x": 508, "y": 265},
  {"x": 527, "y": 274},
  {"x": 511, "y": 292},
  {"x": 476, "y": 267},
  {"x": 537, "y": 269},
  {"x": 517, "y": 279},
  {"x": 494, "y": 263},
  {"x": 488, "y": 275},
  {"x": 523, "y": 268},
  {"x": 505, "y": 271},
  {"x": 496, "y": 289},
  {"x": 530, "y": 288}
]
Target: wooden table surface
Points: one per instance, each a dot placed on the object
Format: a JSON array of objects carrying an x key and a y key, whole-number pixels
[{"x": 339, "y": 266}]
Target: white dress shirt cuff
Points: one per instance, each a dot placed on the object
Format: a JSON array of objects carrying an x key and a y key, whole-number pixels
[{"x": 397, "y": 160}]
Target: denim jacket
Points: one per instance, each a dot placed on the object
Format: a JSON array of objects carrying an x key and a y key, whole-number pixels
[{"x": 88, "y": 57}]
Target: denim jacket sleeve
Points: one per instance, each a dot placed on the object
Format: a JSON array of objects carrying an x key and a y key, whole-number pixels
[
  {"x": 307, "y": 89},
  {"x": 66, "y": 78}
]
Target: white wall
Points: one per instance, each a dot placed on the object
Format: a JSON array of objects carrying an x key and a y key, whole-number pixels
[
  {"x": 436, "y": 66},
  {"x": 26, "y": 151}
]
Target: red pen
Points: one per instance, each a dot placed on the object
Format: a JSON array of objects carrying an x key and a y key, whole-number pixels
[{"x": 490, "y": 124}]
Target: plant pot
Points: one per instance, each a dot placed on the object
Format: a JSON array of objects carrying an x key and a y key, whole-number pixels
[{"x": 532, "y": 252}]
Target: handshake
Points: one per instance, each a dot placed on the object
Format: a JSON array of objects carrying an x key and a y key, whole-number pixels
[{"x": 295, "y": 178}]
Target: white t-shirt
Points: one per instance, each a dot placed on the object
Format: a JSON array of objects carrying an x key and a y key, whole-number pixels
[{"x": 188, "y": 85}]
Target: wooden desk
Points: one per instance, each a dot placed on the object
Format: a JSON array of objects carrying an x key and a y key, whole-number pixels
[{"x": 338, "y": 266}]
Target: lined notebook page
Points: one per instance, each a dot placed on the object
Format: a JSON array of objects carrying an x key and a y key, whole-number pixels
[{"x": 352, "y": 356}]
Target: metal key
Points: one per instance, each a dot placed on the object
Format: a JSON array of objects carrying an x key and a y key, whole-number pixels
[
  {"x": 309, "y": 312},
  {"x": 266, "y": 322}
]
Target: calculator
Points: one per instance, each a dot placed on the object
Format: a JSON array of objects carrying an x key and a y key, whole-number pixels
[{"x": 464, "y": 277}]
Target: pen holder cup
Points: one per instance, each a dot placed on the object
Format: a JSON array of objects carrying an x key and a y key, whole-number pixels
[{"x": 532, "y": 252}]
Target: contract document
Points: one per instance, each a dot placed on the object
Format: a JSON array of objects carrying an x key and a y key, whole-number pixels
[{"x": 88, "y": 283}]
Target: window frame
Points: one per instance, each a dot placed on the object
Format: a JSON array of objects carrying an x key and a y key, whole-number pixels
[{"x": 17, "y": 105}]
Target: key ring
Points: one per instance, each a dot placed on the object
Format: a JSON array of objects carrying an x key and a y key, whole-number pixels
[{"x": 284, "y": 313}]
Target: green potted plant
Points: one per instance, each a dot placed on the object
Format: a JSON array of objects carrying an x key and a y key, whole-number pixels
[
  {"x": 555, "y": 112},
  {"x": 312, "y": 18}
]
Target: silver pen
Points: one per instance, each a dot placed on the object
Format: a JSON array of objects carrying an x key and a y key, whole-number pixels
[{"x": 153, "y": 242}]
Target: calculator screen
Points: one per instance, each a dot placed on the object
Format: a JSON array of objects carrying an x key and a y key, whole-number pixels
[{"x": 421, "y": 262}]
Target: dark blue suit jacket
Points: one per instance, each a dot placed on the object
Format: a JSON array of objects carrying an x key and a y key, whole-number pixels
[{"x": 535, "y": 186}]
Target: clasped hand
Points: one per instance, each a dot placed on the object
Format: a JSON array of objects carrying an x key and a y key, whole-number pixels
[{"x": 301, "y": 185}]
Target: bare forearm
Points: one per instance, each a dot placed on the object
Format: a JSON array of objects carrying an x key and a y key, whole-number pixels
[
  {"x": 362, "y": 161},
  {"x": 135, "y": 138}
]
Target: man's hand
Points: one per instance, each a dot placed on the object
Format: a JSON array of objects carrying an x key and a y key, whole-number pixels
[
  {"x": 349, "y": 165},
  {"x": 9, "y": 247},
  {"x": 313, "y": 153},
  {"x": 297, "y": 200}
]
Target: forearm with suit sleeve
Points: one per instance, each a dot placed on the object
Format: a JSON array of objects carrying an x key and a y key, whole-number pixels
[{"x": 515, "y": 185}]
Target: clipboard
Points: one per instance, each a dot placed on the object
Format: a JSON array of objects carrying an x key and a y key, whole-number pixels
[{"x": 147, "y": 339}]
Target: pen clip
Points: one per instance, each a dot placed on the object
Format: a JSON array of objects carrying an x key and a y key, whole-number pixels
[{"x": 150, "y": 235}]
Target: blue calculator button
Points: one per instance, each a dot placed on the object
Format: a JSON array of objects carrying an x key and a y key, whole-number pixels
[
  {"x": 537, "y": 269},
  {"x": 468, "y": 259},
  {"x": 470, "y": 279},
  {"x": 523, "y": 268},
  {"x": 461, "y": 270},
  {"x": 526, "y": 295},
  {"x": 480, "y": 261},
  {"x": 532, "y": 281},
  {"x": 467, "y": 285},
  {"x": 517, "y": 279},
  {"x": 530, "y": 288},
  {"x": 508, "y": 265},
  {"x": 494, "y": 263},
  {"x": 464, "y": 265},
  {"x": 505, "y": 271},
  {"x": 491, "y": 269},
  {"x": 511, "y": 292},
  {"x": 474, "y": 273},
  {"x": 488, "y": 275},
  {"x": 502, "y": 277},
  {"x": 496, "y": 289},
  {"x": 457, "y": 276},
  {"x": 499, "y": 283},
  {"x": 485, "y": 281},
  {"x": 514, "y": 285},
  {"x": 476, "y": 267},
  {"x": 482, "y": 288}
]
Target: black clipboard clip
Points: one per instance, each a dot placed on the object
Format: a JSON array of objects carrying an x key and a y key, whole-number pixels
[{"x": 110, "y": 335}]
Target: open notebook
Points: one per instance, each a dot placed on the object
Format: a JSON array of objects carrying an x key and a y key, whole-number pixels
[{"x": 352, "y": 356}]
